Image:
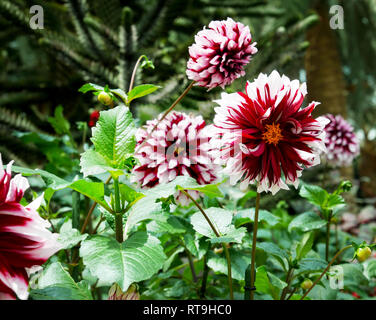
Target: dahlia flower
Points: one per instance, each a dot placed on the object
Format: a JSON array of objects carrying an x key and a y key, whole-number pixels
[
  {"x": 179, "y": 146},
  {"x": 341, "y": 142},
  {"x": 264, "y": 136},
  {"x": 219, "y": 53},
  {"x": 25, "y": 241}
]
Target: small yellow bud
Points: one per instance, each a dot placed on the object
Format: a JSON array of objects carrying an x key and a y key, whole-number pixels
[
  {"x": 105, "y": 98},
  {"x": 306, "y": 284},
  {"x": 362, "y": 254}
]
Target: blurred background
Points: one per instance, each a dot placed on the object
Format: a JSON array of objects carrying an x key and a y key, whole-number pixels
[{"x": 99, "y": 41}]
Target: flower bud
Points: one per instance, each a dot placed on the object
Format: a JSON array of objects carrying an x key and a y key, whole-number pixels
[
  {"x": 306, "y": 284},
  {"x": 334, "y": 220},
  {"x": 362, "y": 254},
  {"x": 116, "y": 293},
  {"x": 105, "y": 98}
]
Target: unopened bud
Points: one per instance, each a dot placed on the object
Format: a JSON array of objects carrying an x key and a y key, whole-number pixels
[
  {"x": 306, "y": 284},
  {"x": 116, "y": 293},
  {"x": 105, "y": 98},
  {"x": 362, "y": 254}
]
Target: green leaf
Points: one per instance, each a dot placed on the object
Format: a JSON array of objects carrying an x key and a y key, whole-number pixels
[
  {"x": 309, "y": 265},
  {"x": 197, "y": 247},
  {"x": 136, "y": 259},
  {"x": 268, "y": 283},
  {"x": 221, "y": 219},
  {"x": 90, "y": 87},
  {"x": 120, "y": 93},
  {"x": 69, "y": 237},
  {"x": 307, "y": 221},
  {"x": 93, "y": 190},
  {"x": 129, "y": 194},
  {"x": 211, "y": 190},
  {"x": 114, "y": 136},
  {"x": 239, "y": 263},
  {"x": 305, "y": 245},
  {"x": 353, "y": 275},
  {"x": 114, "y": 143},
  {"x": 314, "y": 194},
  {"x": 248, "y": 215},
  {"x": 171, "y": 225},
  {"x": 93, "y": 163},
  {"x": 144, "y": 209},
  {"x": 335, "y": 201},
  {"x": 55, "y": 283},
  {"x": 141, "y": 90},
  {"x": 275, "y": 251},
  {"x": 58, "y": 122},
  {"x": 147, "y": 207},
  {"x": 370, "y": 269}
]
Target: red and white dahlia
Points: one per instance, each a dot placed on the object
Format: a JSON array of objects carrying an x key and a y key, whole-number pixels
[
  {"x": 341, "y": 142},
  {"x": 219, "y": 53},
  {"x": 25, "y": 241},
  {"x": 263, "y": 134},
  {"x": 179, "y": 146}
]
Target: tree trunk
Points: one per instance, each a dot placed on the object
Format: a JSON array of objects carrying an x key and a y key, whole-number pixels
[{"x": 325, "y": 80}]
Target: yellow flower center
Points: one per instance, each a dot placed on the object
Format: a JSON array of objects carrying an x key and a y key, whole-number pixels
[
  {"x": 272, "y": 133},
  {"x": 178, "y": 151}
]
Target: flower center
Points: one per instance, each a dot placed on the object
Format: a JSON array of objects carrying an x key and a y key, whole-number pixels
[
  {"x": 178, "y": 150},
  {"x": 272, "y": 133}
]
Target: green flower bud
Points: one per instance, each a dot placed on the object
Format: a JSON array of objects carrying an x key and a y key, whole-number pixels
[
  {"x": 345, "y": 186},
  {"x": 105, "y": 98},
  {"x": 306, "y": 284},
  {"x": 362, "y": 254}
]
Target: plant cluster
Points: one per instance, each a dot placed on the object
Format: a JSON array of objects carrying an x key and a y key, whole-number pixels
[{"x": 156, "y": 213}]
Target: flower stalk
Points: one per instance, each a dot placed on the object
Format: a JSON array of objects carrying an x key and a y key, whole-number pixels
[
  {"x": 254, "y": 240},
  {"x": 225, "y": 249}
]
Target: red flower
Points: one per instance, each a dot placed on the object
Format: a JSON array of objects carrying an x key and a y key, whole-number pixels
[
  {"x": 179, "y": 146},
  {"x": 355, "y": 295},
  {"x": 264, "y": 136},
  {"x": 220, "y": 53},
  {"x": 94, "y": 116},
  {"x": 25, "y": 240}
]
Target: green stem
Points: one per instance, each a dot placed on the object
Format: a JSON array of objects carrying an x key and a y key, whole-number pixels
[
  {"x": 91, "y": 210},
  {"x": 229, "y": 274},
  {"x": 166, "y": 113},
  {"x": 327, "y": 237},
  {"x": 118, "y": 214},
  {"x": 134, "y": 72},
  {"x": 326, "y": 269},
  {"x": 289, "y": 277},
  {"x": 190, "y": 261},
  {"x": 205, "y": 274},
  {"x": 254, "y": 240},
  {"x": 227, "y": 254}
]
